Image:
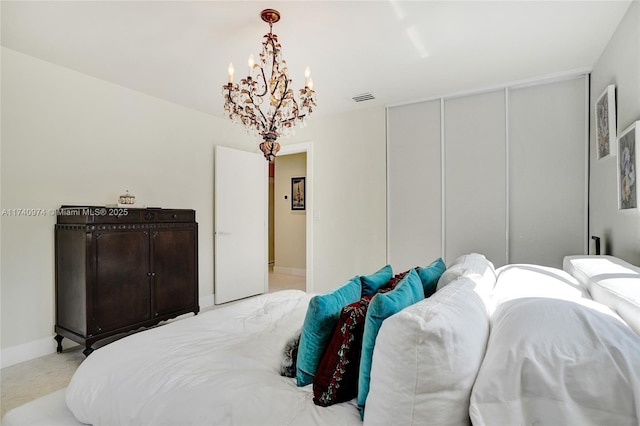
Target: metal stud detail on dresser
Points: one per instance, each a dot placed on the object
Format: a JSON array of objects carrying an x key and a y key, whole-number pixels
[{"x": 122, "y": 269}]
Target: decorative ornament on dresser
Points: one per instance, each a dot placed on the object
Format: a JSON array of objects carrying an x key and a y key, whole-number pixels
[
  {"x": 127, "y": 199},
  {"x": 264, "y": 102}
]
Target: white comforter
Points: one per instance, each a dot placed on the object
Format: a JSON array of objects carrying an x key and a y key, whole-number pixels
[{"x": 220, "y": 367}]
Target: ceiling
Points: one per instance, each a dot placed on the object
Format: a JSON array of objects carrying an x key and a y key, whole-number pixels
[{"x": 400, "y": 51}]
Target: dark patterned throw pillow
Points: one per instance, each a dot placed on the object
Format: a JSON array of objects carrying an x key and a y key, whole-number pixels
[
  {"x": 393, "y": 282},
  {"x": 336, "y": 378}
]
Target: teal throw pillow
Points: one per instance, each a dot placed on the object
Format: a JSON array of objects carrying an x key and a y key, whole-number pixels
[
  {"x": 429, "y": 275},
  {"x": 408, "y": 291},
  {"x": 319, "y": 323},
  {"x": 371, "y": 283}
]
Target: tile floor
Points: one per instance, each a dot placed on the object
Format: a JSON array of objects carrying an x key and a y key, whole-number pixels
[{"x": 29, "y": 380}]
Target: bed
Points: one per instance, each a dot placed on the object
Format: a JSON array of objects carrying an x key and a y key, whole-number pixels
[
  {"x": 521, "y": 344},
  {"x": 219, "y": 367}
]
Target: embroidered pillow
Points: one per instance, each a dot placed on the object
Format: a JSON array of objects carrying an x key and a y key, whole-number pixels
[
  {"x": 336, "y": 379},
  {"x": 392, "y": 283},
  {"x": 408, "y": 291},
  {"x": 371, "y": 283},
  {"x": 319, "y": 323},
  {"x": 429, "y": 275}
]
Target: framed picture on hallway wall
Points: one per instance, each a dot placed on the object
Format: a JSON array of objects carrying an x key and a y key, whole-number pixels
[
  {"x": 606, "y": 123},
  {"x": 297, "y": 193},
  {"x": 628, "y": 167}
]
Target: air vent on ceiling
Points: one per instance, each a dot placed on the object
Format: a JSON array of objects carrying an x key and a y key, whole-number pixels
[{"x": 363, "y": 97}]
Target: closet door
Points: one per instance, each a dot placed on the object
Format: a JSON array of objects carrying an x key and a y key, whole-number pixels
[
  {"x": 547, "y": 172},
  {"x": 414, "y": 185},
  {"x": 475, "y": 176}
]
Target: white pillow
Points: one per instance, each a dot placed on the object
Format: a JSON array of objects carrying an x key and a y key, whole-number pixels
[
  {"x": 521, "y": 280},
  {"x": 611, "y": 281},
  {"x": 558, "y": 362},
  {"x": 474, "y": 266},
  {"x": 426, "y": 359},
  {"x": 587, "y": 268}
]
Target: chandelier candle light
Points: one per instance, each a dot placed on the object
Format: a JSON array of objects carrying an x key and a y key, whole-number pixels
[{"x": 267, "y": 106}]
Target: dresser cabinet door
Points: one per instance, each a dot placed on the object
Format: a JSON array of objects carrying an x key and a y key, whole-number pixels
[
  {"x": 122, "y": 279},
  {"x": 174, "y": 262}
]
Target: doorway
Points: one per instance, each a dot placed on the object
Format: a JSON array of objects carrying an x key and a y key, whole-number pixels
[{"x": 290, "y": 221}]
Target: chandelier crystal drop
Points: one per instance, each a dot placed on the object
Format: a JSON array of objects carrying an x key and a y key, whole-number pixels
[{"x": 264, "y": 102}]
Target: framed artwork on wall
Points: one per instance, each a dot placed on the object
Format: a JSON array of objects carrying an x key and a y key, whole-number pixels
[
  {"x": 627, "y": 167},
  {"x": 606, "y": 123},
  {"x": 297, "y": 193}
]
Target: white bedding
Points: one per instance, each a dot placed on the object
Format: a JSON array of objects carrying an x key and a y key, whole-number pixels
[
  {"x": 219, "y": 367},
  {"x": 558, "y": 362},
  {"x": 517, "y": 281},
  {"x": 553, "y": 357},
  {"x": 48, "y": 410},
  {"x": 610, "y": 281}
]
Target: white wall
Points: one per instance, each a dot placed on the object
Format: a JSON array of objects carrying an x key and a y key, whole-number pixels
[
  {"x": 290, "y": 225},
  {"x": 68, "y": 138},
  {"x": 619, "y": 64},
  {"x": 349, "y": 180}
]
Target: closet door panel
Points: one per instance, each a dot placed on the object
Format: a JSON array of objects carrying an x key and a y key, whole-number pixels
[
  {"x": 475, "y": 176},
  {"x": 414, "y": 185},
  {"x": 547, "y": 173}
]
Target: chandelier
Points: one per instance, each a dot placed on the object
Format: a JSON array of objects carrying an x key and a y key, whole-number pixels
[{"x": 264, "y": 102}]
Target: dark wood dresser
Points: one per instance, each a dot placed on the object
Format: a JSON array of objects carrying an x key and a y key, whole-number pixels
[{"x": 120, "y": 269}]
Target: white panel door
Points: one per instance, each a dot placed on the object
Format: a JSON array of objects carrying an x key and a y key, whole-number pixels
[
  {"x": 414, "y": 212},
  {"x": 475, "y": 170},
  {"x": 547, "y": 173},
  {"x": 240, "y": 225}
]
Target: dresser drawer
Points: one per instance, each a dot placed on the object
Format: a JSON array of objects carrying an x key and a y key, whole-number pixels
[{"x": 169, "y": 215}]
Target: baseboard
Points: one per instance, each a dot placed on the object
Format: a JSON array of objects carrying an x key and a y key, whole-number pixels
[
  {"x": 289, "y": 271},
  {"x": 47, "y": 345},
  {"x": 31, "y": 350},
  {"x": 206, "y": 301}
]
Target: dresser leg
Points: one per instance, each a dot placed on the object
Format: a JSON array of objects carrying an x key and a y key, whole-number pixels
[
  {"x": 59, "y": 340},
  {"x": 87, "y": 351}
]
